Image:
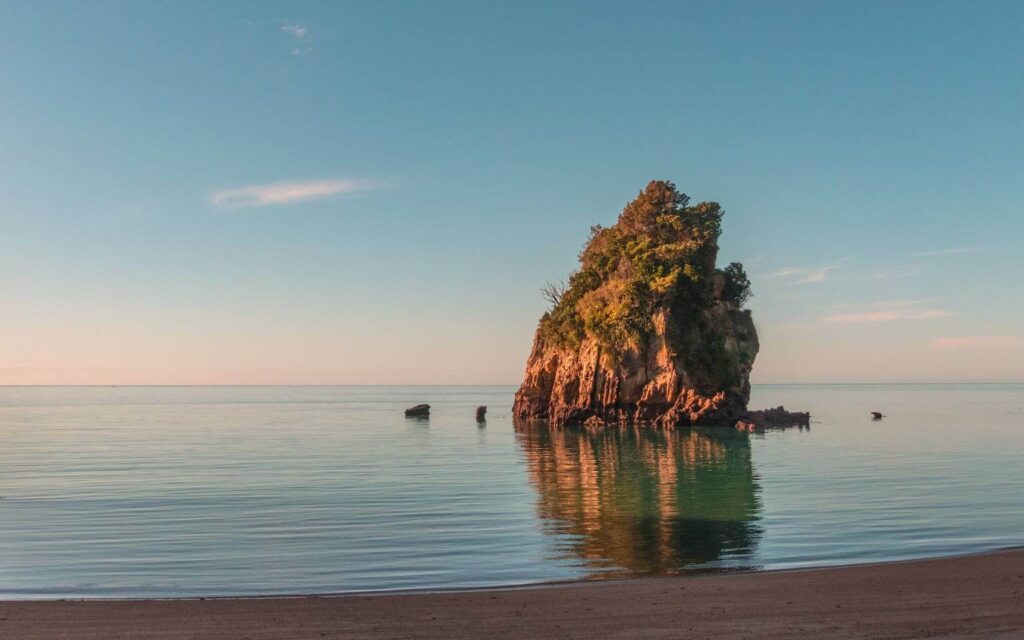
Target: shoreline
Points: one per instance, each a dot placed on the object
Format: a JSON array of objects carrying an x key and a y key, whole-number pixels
[
  {"x": 978, "y": 594},
  {"x": 552, "y": 584}
]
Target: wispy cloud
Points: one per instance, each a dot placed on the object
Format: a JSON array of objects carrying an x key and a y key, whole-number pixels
[
  {"x": 945, "y": 252},
  {"x": 300, "y": 37},
  {"x": 804, "y": 275},
  {"x": 889, "y": 311},
  {"x": 296, "y": 30},
  {"x": 980, "y": 342},
  {"x": 280, "y": 193},
  {"x": 837, "y": 271},
  {"x": 887, "y": 315},
  {"x": 885, "y": 274},
  {"x": 888, "y": 304}
]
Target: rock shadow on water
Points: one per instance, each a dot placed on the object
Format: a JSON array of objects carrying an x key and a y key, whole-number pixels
[{"x": 628, "y": 500}]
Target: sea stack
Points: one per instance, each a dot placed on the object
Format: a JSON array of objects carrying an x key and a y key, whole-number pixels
[{"x": 647, "y": 329}]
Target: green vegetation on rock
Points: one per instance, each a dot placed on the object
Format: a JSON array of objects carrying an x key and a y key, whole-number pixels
[
  {"x": 737, "y": 285},
  {"x": 659, "y": 254}
]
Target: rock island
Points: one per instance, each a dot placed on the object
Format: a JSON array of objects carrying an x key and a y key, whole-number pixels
[{"x": 648, "y": 329}]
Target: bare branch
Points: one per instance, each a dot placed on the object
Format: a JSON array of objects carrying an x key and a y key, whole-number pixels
[{"x": 553, "y": 292}]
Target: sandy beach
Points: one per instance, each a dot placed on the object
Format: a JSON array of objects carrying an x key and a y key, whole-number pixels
[{"x": 971, "y": 596}]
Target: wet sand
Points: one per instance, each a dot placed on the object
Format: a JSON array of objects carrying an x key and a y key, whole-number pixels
[{"x": 965, "y": 597}]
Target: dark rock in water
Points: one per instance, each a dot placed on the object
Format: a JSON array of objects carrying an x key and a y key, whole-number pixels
[
  {"x": 419, "y": 411},
  {"x": 648, "y": 330},
  {"x": 481, "y": 414},
  {"x": 876, "y": 415},
  {"x": 777, "y": 418}
]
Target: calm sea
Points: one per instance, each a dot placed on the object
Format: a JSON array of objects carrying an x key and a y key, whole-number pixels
[{"x": 149, "y": 491}]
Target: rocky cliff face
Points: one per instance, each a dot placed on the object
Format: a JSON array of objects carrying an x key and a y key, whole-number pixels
[
  {"x": 628, "y": 342},
  {"x": 646, "y": 383}
]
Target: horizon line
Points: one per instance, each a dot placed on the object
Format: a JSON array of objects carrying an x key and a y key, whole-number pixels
[{"x": 503, "y": 384}]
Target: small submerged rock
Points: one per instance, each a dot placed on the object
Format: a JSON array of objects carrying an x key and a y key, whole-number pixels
[
  {"x": 419, "y": 411},
  {"x": 777, "y": 418}
]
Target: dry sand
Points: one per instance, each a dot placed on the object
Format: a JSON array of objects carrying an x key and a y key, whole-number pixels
[{"x": 966, "y": 597}]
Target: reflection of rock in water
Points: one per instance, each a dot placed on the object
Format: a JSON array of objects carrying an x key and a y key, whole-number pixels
[{"x": 643, "y": 500}]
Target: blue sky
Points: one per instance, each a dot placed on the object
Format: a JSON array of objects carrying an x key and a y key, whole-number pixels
[{"x": 374, "y": 192}]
